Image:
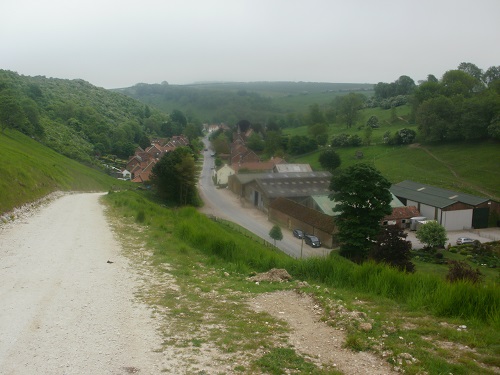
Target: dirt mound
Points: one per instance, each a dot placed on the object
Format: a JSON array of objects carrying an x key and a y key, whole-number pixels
[{"x": 274, "y": 275}]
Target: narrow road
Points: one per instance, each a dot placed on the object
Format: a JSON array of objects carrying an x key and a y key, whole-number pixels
[
  {"x": 63, "y": 308},
  {"x": 223, "y": 203}
]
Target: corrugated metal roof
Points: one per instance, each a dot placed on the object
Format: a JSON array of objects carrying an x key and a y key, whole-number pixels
[
  {"x": 297, "y": 184},
  {"x": 433, "y": 196},
  {"x": 282, "y": 168},
  {"x": 292, "y": 177}
]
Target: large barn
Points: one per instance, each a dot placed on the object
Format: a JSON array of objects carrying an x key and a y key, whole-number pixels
[
  {"x": 453, "y": 210},
  {"x": 261, "y": 189}
]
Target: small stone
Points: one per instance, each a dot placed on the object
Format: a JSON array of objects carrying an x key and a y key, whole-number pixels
[{"x": 365, "y": 327}]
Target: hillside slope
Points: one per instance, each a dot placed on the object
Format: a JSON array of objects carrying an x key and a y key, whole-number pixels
[
  {"x": 31, "y": 170},
  {"x": 74, "y": 117}
]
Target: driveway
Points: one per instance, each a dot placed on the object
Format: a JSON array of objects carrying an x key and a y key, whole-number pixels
[{"x": 482, "y": 235}]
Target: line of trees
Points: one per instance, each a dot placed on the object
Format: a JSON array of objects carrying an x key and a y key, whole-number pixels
[{"x": 463, "y": 105}]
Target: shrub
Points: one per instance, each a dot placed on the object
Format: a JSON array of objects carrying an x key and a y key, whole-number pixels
[
  {"x": 461, "y": 271},
  {"x": 140, "y": 217},
  {"x": 432, "y": 234},
  {"x": 346, "y": 140}
]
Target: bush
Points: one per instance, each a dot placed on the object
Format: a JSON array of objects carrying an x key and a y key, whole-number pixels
[
  {"x": 140, "y": 217},
  {"x": 346, "y": 140},
  {"x": 461, "y": 271}
]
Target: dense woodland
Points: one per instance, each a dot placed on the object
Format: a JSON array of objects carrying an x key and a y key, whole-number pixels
[
  {"x": 80, "y": 120},
  {"x": 83, "y": 122}
]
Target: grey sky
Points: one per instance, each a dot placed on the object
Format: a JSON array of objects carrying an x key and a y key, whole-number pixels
[{"x": 117, "y": 43}]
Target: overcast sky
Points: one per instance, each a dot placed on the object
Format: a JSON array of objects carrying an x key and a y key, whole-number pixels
[{"x": 118, "y": 43}]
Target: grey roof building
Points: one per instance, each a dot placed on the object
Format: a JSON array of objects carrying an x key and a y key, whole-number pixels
[
  {"x": 453, "y": 210},
  {"x": 260, "y": 189}
]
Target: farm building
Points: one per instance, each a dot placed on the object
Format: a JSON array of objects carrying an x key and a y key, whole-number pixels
[
  {"x": 451, "y": 209},
  {"x": 261, "y": 189},
  {"x": 295, "y": 216}
]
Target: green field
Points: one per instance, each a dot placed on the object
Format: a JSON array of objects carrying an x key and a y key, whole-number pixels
[{"x": 470, "y": 167}]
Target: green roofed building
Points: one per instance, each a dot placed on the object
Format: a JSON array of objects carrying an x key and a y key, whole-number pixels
[{"x": 453, "y": 210}]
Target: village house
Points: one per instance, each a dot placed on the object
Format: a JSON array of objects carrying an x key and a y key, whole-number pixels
[
  {"x": 221, "y": 175},
  {"x": 141, "y": 163}
]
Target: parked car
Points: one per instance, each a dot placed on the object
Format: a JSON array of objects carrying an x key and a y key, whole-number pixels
[
  {"x": 312, "y": 241},
  {"x": 464, "y": 240},
  {"x": 298, "y": 233}
]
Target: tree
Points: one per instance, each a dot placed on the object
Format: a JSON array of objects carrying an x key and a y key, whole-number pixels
[
  {"x": 491, "y": 75},
  {"x": 272, "y": 142},
  {"x": 404, "y": 85},
  {"x": 11, "y": 112},
  {"x": 363, "y": 199},
  {"x": 318, "y": 129},
  {"x": 435, "y": 116},
  {"x": 178, "y": 117},
  {"x": 472, "y": 70},
  {"x": 315, "y": 115},
  {"x": 329, "y": 160},
  {"x": 393, "y": 249},
  {"x": 349, "y": 106},
  {"x": 432, "y": 235},
  {"x": 405, "y": 136},
  {"x": 255, "y": 142},
  {"x": 373, "y": 122},
  {"x": 276, "y": 234},
  {"x": 368, "y": 135},
  {"x": 175, "y": 177},
  {"x": 458, "y": 82}
]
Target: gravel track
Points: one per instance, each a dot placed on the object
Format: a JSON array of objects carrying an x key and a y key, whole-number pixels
[{"x": 63, "y": 308}]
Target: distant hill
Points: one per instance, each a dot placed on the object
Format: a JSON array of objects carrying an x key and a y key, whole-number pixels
[{"x": 231, "y": 102}]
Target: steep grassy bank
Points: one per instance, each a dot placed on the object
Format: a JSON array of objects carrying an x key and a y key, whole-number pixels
[
  {"x": 419, "y": 314},
  {"x": 30, "y": 171}
]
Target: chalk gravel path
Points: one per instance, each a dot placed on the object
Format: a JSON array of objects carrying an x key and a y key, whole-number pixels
[{"x": 63, "y": 308}]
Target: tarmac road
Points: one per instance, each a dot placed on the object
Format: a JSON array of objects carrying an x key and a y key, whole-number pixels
[{"x": 224, "y": 204}]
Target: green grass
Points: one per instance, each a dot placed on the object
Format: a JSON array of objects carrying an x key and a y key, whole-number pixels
[
  {"x": 444, "y": 165},
  {"x": 30, "y": 171},
  {"x": 417, "y": 314}
]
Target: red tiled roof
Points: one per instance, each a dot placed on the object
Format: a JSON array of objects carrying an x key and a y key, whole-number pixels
[{"x": 403, "y": 213}]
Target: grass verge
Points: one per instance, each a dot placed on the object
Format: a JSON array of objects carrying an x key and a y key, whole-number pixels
[{"x": 419, "y": 323}]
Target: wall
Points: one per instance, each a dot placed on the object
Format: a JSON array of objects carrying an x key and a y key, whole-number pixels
[{"x": 327, "y": 239}]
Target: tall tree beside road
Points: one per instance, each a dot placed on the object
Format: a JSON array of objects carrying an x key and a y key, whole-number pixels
[
  {"x": 174, "y": 177},
  {"x": 363, "y": 198}
]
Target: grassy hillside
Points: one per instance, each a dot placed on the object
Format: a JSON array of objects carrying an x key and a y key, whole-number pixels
[
  {"x": 471, "y": 167},
  {"x": 31, "y": 170},
  {"x": 202, "y": 292}
]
